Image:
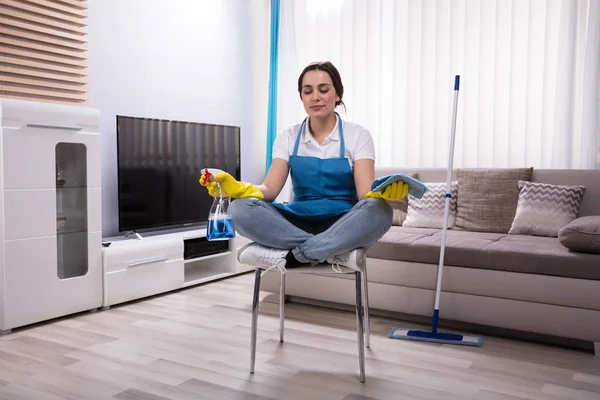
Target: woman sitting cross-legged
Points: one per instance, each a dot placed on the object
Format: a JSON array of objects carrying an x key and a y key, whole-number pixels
[{"x": 333, "y": 216}]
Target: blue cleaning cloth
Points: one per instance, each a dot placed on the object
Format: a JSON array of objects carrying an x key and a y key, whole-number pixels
[{"x": 416, "y": 188}]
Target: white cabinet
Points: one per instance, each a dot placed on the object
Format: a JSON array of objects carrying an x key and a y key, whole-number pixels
[
  {"x": 157, "y": 263},
  {"x": 50, "y": 204}
]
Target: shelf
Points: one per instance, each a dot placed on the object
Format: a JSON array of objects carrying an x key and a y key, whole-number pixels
[
  {"x": 69, "y": 231},
  {"x": 71, "y": 187},
  {"x": 208, "y": 268},
  {"x": 191, "y": 260}
]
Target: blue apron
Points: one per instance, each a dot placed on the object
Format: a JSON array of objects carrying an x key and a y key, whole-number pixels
[{"x": 323, "y": 188}]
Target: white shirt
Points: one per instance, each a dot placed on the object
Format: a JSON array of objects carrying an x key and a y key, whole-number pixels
[{"x": 358, "y": 141}]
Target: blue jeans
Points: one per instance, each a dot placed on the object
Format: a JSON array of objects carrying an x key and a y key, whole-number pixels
[{"x": 262, "y": 223}]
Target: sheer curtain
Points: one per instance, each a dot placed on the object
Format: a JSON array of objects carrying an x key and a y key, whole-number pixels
[{"x": 529, "y": 76}]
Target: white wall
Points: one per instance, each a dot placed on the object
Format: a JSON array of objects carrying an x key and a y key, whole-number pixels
[{"x": 191, "y": 60}]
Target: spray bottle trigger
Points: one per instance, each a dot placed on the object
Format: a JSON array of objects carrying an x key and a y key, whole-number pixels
[{"x": 207, "y": 174}]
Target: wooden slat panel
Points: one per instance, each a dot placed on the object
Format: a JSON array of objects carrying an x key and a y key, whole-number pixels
[
  {"x": 39, "y": 74},
  {"x": 43, "y": 66},
  {"x": 44, "y": 99},
  {"x": 15, "y": 51},
  {"x": 27, "y": 44},
  {"x": 18, "y": 24},
  {"x": 56, "y": 6},
  {"x": 74, "y": 3},
  {"x": 4, "y": 30},
  {"x": 44, "y": 21},
  {"x": 44, "y": 12},
  {"x": 47, "y": 83},
  {"x": 43, "y": 52},
  {"x": 41, "y": 92}
]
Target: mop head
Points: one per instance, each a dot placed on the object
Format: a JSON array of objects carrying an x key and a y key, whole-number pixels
[{"x": 438, "y": 337}]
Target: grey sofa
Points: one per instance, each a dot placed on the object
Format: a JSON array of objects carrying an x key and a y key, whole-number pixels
[{"x": 529, "y": 287}]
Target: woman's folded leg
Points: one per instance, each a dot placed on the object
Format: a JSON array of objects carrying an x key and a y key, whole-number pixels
[
  {"x": 360, "y": 227},
  {"x": 262, "y": 223}
]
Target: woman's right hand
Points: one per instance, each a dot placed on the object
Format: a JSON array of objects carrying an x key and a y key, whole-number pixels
[
  {"x": 234, "y": 188},
  {"x": 393, "y": 192}
]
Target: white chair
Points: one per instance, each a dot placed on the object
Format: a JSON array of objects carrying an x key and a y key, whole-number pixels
[{"x": 361, "y": 290}]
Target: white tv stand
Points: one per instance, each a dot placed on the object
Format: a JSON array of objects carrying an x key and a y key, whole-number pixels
[{"x": 151, "y": 263}]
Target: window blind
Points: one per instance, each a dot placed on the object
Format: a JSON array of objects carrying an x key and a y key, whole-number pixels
[{"x": 43, "y": 50}]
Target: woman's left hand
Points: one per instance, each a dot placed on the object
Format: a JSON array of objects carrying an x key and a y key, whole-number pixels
[{"x": 394, "y": 191}]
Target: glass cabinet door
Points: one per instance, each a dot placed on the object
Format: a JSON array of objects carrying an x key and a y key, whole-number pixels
[{"x": 71, "y": 210}]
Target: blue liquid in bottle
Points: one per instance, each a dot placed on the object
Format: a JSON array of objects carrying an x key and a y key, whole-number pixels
[{"x": 220, "y": 228}]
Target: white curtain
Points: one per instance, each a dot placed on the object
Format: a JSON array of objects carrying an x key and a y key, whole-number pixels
[{"x": 529, "y": 93}]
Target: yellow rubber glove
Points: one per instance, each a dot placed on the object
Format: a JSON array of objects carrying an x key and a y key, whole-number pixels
[
  {"x": 394, "y": 191},
  {"x": 234, "y": 188}
]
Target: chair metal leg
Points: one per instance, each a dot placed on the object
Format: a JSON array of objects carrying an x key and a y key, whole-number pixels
[
  {"x": 359, "y": 325},
  {"x": 366, "y": 309},
  {"x": 281, "y": 306},
  {"x": 254, "y": 319}
]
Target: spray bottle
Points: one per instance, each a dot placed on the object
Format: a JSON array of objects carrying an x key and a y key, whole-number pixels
[{"x": 220, "y": 224}]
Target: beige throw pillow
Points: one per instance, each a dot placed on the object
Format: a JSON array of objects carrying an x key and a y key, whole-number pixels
[{"x": 487, "y": 198}]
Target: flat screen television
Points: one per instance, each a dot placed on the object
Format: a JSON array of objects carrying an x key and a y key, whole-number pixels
[{"x": 159, "y": 163}]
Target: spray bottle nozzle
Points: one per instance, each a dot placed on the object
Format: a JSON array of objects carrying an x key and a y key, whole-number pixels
[{"x": 210, "y": 173}]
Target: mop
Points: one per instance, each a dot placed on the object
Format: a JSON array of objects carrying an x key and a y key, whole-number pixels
[{"x": 434, "y": 335}]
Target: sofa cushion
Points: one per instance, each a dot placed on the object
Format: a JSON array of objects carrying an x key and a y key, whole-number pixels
[
  {"x": 543, "y": 209},
  {"x": 428, "y": 211},
  {"x": 582, "y": 235},
  {"x": 516, "y": 253},
  {"x": 487, "y": 198}
]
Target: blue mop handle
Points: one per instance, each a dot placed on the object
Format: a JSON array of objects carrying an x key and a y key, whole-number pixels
[{"x": 436, "y": 311}]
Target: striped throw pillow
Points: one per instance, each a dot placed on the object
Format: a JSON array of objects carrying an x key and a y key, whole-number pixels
[
  {"x": 428, "y": 211},
  {"x": 543, "y": 209}
]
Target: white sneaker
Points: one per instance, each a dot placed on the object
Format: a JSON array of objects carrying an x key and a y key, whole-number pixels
[
  {"x": 264, "y": 257},
  {"x": 355, "y": 260}
]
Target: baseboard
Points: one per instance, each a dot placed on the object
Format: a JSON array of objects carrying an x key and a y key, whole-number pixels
[
  {"x": 476, "y": 329},
  {"x": 500, "y": 313}
]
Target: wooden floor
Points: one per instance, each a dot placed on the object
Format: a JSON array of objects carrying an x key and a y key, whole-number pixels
[{"x": 193, "y": 344}]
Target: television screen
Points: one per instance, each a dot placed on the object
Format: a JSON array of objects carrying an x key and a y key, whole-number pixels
[{"x": 159, "y": 164}]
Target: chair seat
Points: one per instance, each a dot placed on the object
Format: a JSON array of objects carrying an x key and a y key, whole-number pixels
[{"x": 317, "y": 269}]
